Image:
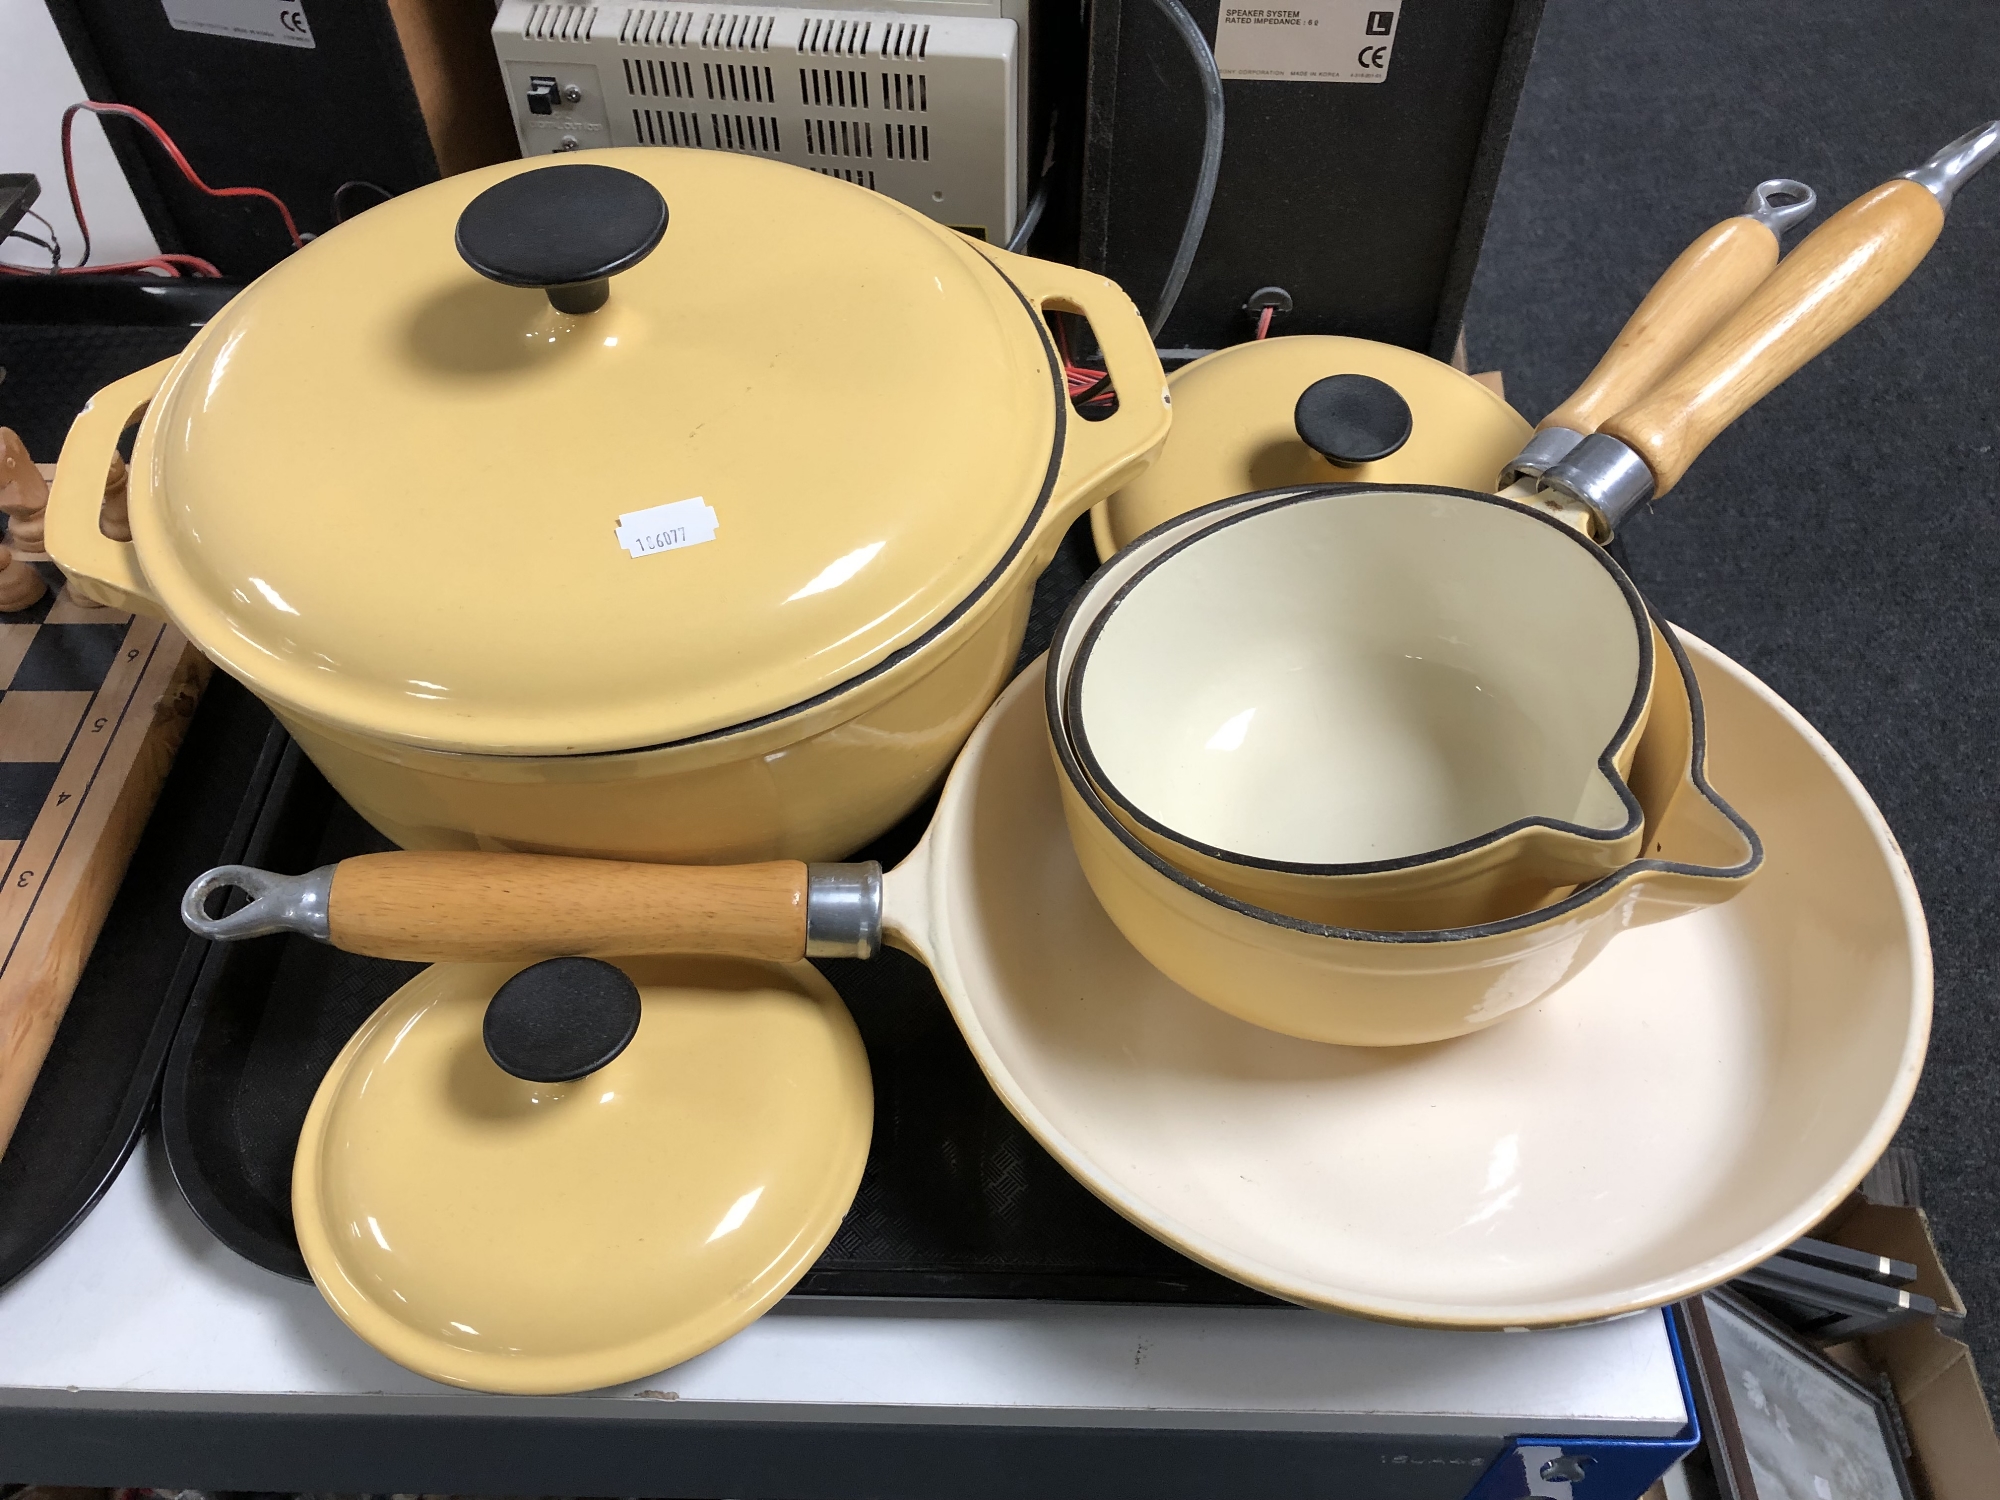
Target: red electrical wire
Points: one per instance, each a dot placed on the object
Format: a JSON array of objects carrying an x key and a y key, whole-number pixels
[
  {"x": 168, "y": 262},
  {"x": 1264, "y": 321},
  {"x": 1085, "y": 385}
]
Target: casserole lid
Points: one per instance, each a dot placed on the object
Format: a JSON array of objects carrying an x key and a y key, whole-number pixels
[
  {"x": 783, "y": 443},
  {"x": 604, "y": 1216}
]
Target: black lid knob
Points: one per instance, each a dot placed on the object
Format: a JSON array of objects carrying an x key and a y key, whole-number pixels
[
  {"x": 561, "y": 1018},
  {"x": 1352, "y": 419},
  {"x": 567, "y": 229}
]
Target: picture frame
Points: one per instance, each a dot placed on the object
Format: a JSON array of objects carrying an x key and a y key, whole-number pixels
[{"x": 1780, "y": 1420}]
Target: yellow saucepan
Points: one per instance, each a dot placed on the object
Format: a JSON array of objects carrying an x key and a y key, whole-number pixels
[
  {"x": 1404, "y": 707},
  {"x": 1413, "y": 805}
]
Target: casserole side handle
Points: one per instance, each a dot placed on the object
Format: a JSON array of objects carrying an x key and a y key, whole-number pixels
[
  {"x": 97, "y": 566},
  {"x": 1099, "y": 457}
]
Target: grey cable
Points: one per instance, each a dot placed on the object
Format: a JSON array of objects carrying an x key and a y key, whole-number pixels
[
  {"x": 1029, "y": 220},
  {"x": 1039, "y": 201},
  {"x": 1211, "y": 161}
]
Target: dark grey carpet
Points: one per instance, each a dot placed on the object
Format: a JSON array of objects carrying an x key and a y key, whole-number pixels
[{"x": 1843, "y": 540}]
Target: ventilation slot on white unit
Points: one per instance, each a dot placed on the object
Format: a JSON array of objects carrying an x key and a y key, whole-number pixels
[
  {"x": 726, "y": 32},
  {"x": 837, "y": 88},
  {"x": 906, "y": 142},
  {"x": 745, "y": 133},
  {"x": 840, "y": 138},
  {"x": 859, "y": 176},
  {"x": 905, "y": 39},
  {"x": 667, "y": 127},
  {"x": 645, "y": 78},
  {"x": 560, "y": 23},
  {"x": 744, "y": 82},
  {"x": 835, "y": 38},
  {"x": 908, "y": 92},
  {"x": 656, "y": 28}
]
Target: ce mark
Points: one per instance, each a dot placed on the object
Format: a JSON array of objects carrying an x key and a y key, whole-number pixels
[
  {"x": 1373, "y": 57},
  {"x": 294, "y": 21}
]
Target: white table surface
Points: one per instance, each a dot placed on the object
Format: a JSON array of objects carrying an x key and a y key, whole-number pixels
[{"x": 142, "y": 1305}]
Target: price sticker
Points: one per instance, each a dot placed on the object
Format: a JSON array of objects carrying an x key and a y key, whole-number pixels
[{"x": 667, "y": 528}]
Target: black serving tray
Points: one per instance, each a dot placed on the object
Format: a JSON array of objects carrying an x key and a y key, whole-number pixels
[
  {"x": 96, "y": 1087},
  {"x": 957, "y": 1199}
]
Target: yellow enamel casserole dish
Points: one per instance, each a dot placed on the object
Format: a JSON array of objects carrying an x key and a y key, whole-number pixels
[{"x": 653, "y": 503}]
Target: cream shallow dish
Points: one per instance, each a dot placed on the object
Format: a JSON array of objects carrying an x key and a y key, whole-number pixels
[{"x": 1682, "y": 1108}]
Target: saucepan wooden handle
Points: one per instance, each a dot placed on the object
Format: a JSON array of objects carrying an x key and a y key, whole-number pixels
[
  {"x": 1842, "y": 272},
  {"x": 1708, "y": 281},
  {"x": 434, "y": 906},
  {"x": 439, "y": 906}
]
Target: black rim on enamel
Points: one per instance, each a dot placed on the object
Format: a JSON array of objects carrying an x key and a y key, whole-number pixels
[
  {"x": 1635, "y": 815},
  {"x": 1066, "y": 753}
]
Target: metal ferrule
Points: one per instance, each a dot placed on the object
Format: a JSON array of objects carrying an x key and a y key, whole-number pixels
[
  {"x": 278, "y": 903},
  {"x": 1780, "y": 202},
  {"x": 1549, "y": 446},
  {"x": 1945, "y": 173},
  {"x": 1606, "y": 478},
  {"x": 843, "y": 910}
]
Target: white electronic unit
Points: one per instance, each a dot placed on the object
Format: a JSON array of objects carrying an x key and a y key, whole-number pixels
[{"x": 925, "y": 101}]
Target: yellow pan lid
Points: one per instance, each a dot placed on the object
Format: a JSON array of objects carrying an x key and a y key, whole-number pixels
[
  {"x": 495, "y": 1232},
  {"x": 397, "y": 494},
  {"x": 1236, "y": 430}
]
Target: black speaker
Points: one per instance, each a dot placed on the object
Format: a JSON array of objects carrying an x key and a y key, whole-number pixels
[{"x": 1365, "y": 201}]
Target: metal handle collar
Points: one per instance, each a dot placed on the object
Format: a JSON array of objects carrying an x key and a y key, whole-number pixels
[
  {"x": 1606, "y": 478},
  {"x": 843, "y": 910}
]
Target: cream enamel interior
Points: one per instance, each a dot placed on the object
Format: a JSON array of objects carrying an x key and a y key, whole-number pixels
[
  {"x": 1362, "y": 676},
  {"x": 385, "y": 490},
  {"x": 1693, "y": 1100},
  {"x": 519, "y": 1237}
]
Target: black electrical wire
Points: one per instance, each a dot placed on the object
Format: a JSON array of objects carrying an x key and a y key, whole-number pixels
[
  {"x": 52, "y": 244},
  {"x": 1211, "y": 160},
  {"x": 338, "y": 193}
]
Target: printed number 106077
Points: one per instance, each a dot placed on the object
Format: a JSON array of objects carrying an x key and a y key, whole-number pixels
[{"x": 661, "y": 541}]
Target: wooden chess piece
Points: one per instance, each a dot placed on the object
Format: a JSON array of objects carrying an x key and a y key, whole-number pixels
[
  {"x": 115, "y": 519},
  {"x": 24, "y": 494},
  {"x": 20, "y": 585}
]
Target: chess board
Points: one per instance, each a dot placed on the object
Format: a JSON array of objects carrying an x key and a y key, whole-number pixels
[{"x": 93, "y": 704}]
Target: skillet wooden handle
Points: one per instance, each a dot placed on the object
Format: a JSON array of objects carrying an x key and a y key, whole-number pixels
[
  {"x": 1839, "y": 274},
  {"x": 1708, "y": 281},
  {"x": 437, "y": 906}
]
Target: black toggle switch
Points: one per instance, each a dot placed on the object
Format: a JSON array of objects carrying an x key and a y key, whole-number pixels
[{"x": 541, "y": 96}]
